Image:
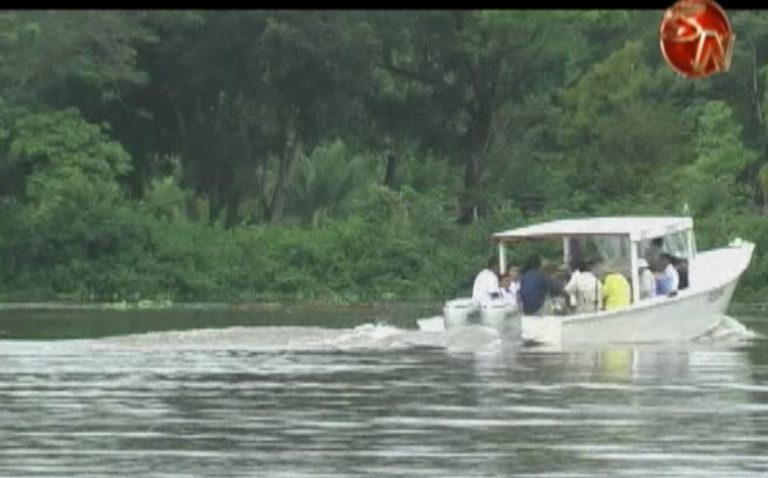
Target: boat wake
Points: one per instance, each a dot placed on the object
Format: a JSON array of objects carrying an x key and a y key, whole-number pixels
[
  {"x": 369, "y": 336},
  {"x": 430, "y": 333},
  {"x": 380, "y": 336},
  {"x": 729, "y": 330}
]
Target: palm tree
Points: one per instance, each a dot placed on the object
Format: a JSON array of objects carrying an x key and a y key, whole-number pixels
[{"x": 324, "y": 179}]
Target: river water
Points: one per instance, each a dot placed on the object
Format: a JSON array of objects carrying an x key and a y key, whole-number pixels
[{"x": 380, "y": 399}]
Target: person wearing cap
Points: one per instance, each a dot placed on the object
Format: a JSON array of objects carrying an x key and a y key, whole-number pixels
[{"x": 647, "y": 281}]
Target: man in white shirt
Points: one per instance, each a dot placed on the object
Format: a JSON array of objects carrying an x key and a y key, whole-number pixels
[
  {"x": 509, "y": 285},
  {"x": 486, "y": 286},
  {"x": 585, "y": 290}
]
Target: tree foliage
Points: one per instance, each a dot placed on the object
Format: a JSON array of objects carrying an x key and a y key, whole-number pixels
[{"x": 255, "y": 154}]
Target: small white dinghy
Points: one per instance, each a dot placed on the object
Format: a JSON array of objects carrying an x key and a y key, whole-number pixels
[{"x": 621, "y": 241}]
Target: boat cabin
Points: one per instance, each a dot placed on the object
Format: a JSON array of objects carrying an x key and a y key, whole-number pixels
[{"x": 617, "y": 242}]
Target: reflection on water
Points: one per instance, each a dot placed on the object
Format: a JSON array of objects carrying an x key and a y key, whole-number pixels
[{"x": 379, "y": 400}]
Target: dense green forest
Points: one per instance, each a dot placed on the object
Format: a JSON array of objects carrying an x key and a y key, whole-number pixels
[{"x": 358, "y": 155}]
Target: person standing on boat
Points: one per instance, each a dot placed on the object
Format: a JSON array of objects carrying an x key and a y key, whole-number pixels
[
  {"x": 585, "y": 289},
  {"x": 647, "y": 281},
  {"x": 509, "y": 284},
  {"x": 655, "y": 251},
  {"x": 667, "y": 277},
  {"x": 505, "y": 294},
  {"x": 616, "y": 290},
  {"x": 663, "y": 285},
  {"x": 486, "y": 286},
  {"x": 682, "y": 270},
  {"x": 536, "y": 287}
]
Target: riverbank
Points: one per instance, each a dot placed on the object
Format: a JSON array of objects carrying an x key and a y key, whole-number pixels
[
  {"x": 239, "y": 306},
  {"x": 346, "y": 261}
]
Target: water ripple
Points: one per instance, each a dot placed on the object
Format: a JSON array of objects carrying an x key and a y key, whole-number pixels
[{"x": 308, "y": 402}]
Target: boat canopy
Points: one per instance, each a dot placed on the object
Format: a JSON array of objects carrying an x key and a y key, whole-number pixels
[{"x": 638, "y": 228}]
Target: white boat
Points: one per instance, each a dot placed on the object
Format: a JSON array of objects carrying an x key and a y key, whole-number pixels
[{"x": 622, "y": 241}]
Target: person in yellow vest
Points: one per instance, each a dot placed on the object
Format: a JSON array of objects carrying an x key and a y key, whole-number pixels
[{"x": 616, "y": 291}]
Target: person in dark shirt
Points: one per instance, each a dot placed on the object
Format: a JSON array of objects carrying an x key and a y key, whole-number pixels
[
  {"x": 682, "y": 269},
  {"x": 654, "y": 252},
  {"x": 535, "y": 287}
]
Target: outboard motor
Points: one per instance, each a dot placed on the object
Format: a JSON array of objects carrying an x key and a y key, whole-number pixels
[
  {"x": 503, "y": 316},
  {"x": 493, "y": 313},
  {"x": 459, "y": 312}
]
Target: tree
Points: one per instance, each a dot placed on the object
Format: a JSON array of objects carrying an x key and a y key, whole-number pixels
[
  {"x": 250, "y": 92},
  {"x": 54, "y": 55},
  {"x": 324, "y": 179},
  {"x": 618, "y": 134},
  {"x": 711, "y": 180},
  {"x": 57, "y": 160},
  {"x": 466, "y": 68}
]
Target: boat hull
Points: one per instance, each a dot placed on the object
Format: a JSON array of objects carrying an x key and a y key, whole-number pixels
[
  {"x": 686, "y": 316},
  {"x": 662, "y": 319}
]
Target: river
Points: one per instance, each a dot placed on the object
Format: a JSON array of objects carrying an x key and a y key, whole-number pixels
[{"x": 367, "y": 396}]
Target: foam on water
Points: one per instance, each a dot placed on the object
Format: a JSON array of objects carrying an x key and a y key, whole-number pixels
[
  {"x": 279, "y": 339},
  {"x": 728, "y": 331},
  {"x": 432, "y": 324},
  {"x": 370, "y": 336}
]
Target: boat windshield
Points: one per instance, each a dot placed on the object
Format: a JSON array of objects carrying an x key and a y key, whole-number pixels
[
  {"x": 603, "y": 252},
  {"x": 675, "y": 244}
]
